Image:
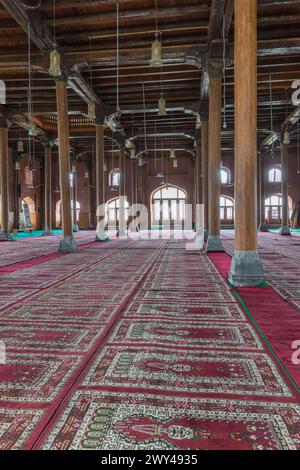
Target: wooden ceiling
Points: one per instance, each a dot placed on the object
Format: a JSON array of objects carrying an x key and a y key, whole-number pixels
[{"x": 191, "y": 32}]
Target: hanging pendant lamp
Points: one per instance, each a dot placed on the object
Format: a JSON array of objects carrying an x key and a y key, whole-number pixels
[
  {"x": 162, "y": 106},
  {"x": 286, "y": 137},
  {"x": 172, "y": 154},
  {"x": 175, "y": 163},
  {"x": 156, "y": 56},
  {"x": 156, "y": 50},
  {"x": 20, "y": 146},
  {"x": 91, "y": 111},
  {"x": 54, "y": 69},
  {"x": 33, "y": 130}
]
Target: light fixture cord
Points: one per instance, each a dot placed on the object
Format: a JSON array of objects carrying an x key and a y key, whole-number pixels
[
  {"x": 145, "y": 126},
  {"x": 298, "y": 149},
  {"x": 118, "y": 56},
  {"x": 224, "y": 75},
  {"x": 156, "y": 20},
  {"x": 29, "y": 95},
  {"x": 155, "y": 142},
  {"x": 271, "y": 107},
  {"x": 54, "y": 20}
]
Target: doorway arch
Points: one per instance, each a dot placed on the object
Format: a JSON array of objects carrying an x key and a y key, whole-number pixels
[
  {"x": 168, "y": 205},
  {"x": 58, "y": 217}
]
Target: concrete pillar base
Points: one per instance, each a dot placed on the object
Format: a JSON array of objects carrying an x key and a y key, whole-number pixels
[
  {"x": 67, "y": 245},
  {"x": 5, "y": 236},
  {"x": 285, "y": 230},
  {"x": 47, "y": 233},
  {"x": 205, "y": 234},
  {"x": 246, "y": 269},
  {"x": 263, "y": 228},
  {"x": 101, "y": 237},
  {"x": 75, "y": 228},
  {"x": 214, "y": 243}
]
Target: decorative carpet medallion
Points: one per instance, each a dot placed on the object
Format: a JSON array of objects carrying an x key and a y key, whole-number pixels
[
  {"x": 71, "y": 338},
  {"x": 16, "y": 426},
  {"x": 34, "y": 377},
  {"x": 80, "y": 296},
  {"x": 120, "y": 421},
  {"x": 55, "y": 312},
  {"x": 183, "y": 296},
  {"x": 181, "y": 311},
  {"x": 187, "y": 371},
  {"x": 187, "y": 334}
]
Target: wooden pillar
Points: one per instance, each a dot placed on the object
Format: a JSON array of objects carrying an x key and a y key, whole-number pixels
[
  {"x": 284, "y": 230},
  {"x": 17, "y": 193},
  {"x": 214, "y": 156},
  {"x": 204, "y": 166},
  {"x": 4, "y": 234},
  {"x": 246, "y": 268},
  {"x": 101, "y": 235},
  {"x": 67, "y": 244},
  {"x": 47, "y": 192},
  {"x": 122, "y": 193}
]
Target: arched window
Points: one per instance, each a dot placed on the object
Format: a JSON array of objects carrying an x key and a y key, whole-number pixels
[
  {"x": 114, "y": 177},
  {"x": 168, "y": 204},
  {"x": 226, "y": 209},
  {"x": 275, "y": 175},
  {"x": 225, "y": 175},
  {"x": 112, "y": 210},
  {"x": 273, "y": 209}
]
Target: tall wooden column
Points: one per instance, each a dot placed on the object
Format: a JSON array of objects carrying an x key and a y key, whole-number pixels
[
  {"x": 246, "y": 268},
  {"x": 122, "y": 193},
  {"x": 67, "y": 243},
  {"x": 284, "y": 230},
  {"x": 48, "y": 192},
  {"x": 204, "y": 166},
  {"x": 4, "y": 233},
  {"x": 214, "y": 242},
  {"x": 101, "y": 235}
]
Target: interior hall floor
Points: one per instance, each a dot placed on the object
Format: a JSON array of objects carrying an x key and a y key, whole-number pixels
[{"x": 144, "y": 345}]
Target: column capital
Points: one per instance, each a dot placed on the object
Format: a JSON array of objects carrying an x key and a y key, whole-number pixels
[
  {"x": 4, "y": 123},
  {"x": 100, "y": 120},
  {"x": 47, "y": 145},
  {"x": 214, "y": 67}
]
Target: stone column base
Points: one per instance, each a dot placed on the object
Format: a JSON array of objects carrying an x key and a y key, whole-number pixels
[
  {"x": 263, "y": 228},
  {"x": 214, "y": 243},
  {"x": 75, "y": 228},
  {"x": 284, "y": 230},
  {"x": 246, "y": 269},
  {"x": 101, "y": 237},
  {"x": 47, "y": 233},
  {"x": 67, "y": 245},
  {"x": 5, "y": 236}
]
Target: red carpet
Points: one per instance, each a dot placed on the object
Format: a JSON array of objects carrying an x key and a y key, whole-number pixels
[
  {"x": 277, "y": 320},
  {"x": 136, "y": 345}
]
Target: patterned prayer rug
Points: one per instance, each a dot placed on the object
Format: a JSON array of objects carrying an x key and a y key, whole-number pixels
[
  {"x": 187, "y": 334},
  {"x": 181, "y": 311},
  {"x": 187, "y": 371},
  {"x": 34, "y": 377},
  {"x": 118, "y": 421},
  {"x": 16, "y": 426}
]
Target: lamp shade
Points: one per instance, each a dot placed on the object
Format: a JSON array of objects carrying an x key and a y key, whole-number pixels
[
  {"x": 175, "y": 163},
  {"x": 162, "y": 106},
  {"x": 20, "y": 146},
  {"x": 54, "y": 68},
  {"x": 172, "y": 154},
  {"x": 286, "y": 137},
  {"x": 17, "y": 165},
  {"x": 91, "y": 110},
  {"x": 156, "y": 60}
]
